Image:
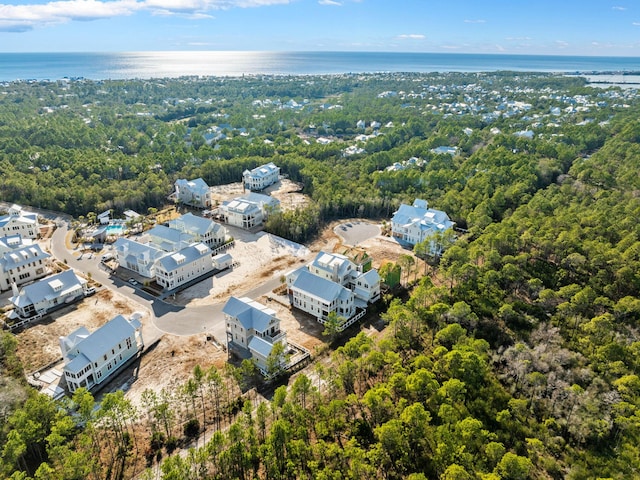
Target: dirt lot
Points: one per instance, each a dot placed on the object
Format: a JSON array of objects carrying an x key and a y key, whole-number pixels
[
  {"x": 38, "y": 345},
  {"x": 261, "y": 257},
  {"x": 285, "y": 190}
]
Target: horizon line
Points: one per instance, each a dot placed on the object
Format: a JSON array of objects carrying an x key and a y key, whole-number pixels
[{"x": 321, "y": 51}]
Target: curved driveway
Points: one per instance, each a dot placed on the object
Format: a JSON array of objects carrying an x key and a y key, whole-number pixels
[{"x": 166, "y": 317}]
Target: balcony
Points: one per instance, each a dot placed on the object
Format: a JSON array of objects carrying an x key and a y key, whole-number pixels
[{"x": 273, "y": 337}]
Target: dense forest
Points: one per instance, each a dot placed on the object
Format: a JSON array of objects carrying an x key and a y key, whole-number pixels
[{"x": 517, "y": 355}]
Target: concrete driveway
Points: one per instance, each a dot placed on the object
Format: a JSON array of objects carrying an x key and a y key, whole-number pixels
[{"x": 353, "y": 233}]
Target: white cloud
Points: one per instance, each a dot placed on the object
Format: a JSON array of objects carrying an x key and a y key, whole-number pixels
[
  {"x": 518, "y": 39},
  {"x": 21, "y": 18},
  {"x": 621, "y": 9},
  {"x": 636, "y": 24},
  {"x": 561, "y": 44},
  {"x": 411, "y": 36},
  {"x": 330, "y": 2},
  {"x": 475, "y": 21}
]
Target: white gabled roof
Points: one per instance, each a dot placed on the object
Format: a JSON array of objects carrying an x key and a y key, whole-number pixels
[
  {"x": 184, "y": 256},
  {"x": 330, "y": 261},
  {"x": 263, "y": 170},
  {"x": 424, "y": 218}
]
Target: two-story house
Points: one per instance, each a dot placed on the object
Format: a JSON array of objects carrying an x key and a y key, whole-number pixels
[
  {"x": 241, "y": 213},
  {"x": 167, "y": 239},
  {"x": 138, "y": 257},
  {"x": 261, "y": 177},
  {"x": 183, "y": 266},
  {"x": 19, "y": 221},
  {"x": 319, "y": 296},
  {"x": 415, "y": 223},
  {"x": 204, "y": 230},
  {"x": 21, "y": 262},
  {"x": 193, "y": 192},
  {"x": 249, "y": 210},
  {"x": 92, "y": 358},
  {"x": 340, "y": 269},
  {"x": 49, "y": 293},
  {"x": 252, "y": 330}
]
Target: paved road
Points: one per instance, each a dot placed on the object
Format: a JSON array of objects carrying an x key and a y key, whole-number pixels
[{"x": 166, "y": 317}]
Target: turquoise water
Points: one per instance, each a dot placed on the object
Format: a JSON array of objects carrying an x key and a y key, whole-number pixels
[
  {"x": 101, "y": 66},
  {"x": 115, "y": 229}
]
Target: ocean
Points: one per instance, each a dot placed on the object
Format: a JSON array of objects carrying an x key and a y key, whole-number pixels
[{"x": 145, "y": 65}]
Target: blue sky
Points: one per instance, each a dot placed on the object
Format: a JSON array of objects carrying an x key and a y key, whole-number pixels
[{"x": 559, "y": 27}]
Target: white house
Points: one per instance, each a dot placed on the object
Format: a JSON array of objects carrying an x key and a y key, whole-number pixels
[
  {"x": 176, "y": 269},
  {"x": 167, "y": 239},
  {"x": 319, "y": 296},
  {"x": 261, "y": 177},
  {"x": 202, "y": 229},
  {"x": 105, "y": 217},
  {"x": 266, "y": 203},
  {"x": 340, "y": 269},
  {"x": 92, "y": 358},
  {"x": 222, "y": 261},
  {"x": 249, "y": 210},
  {"x": 18, "y": 221},
  {"x": 252, "y": 330},
  {"x": 366, "y": 286},
  {"x": 413, "y": 224},
  {"x": 193, "y": 192},
  {"x": 138, "y": 257},
  {"x": 444, "y": 150},
  {"x": 241, "y": 213},
  {"x": 21, "y": 262},
  {"x": 49, "y": 293}
]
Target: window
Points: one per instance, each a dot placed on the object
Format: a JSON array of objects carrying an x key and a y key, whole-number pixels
[{"x": 105, "y": 357}]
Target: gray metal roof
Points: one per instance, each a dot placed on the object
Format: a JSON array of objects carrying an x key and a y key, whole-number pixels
[
  {"x": 321, "y": 288},
  {"x": 251, "y": 314},
  {"x": 260, "y": 346},
  {"x": 100, "y": 342},
  {"x": 21, "y": 256},
  {"x": 48, "y": 288},
  {"x": 194, "y": 224}
]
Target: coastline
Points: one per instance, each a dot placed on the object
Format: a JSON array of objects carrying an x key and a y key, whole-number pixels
[{"x": 173, "y": 64}]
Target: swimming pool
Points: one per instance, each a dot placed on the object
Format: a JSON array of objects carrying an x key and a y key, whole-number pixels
[{"x": 115, "y": 229}]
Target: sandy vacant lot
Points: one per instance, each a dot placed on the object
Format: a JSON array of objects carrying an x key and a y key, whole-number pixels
[
  {"x": 260, "y": 257},
  {"x": 285, "y": 190}
]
